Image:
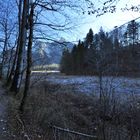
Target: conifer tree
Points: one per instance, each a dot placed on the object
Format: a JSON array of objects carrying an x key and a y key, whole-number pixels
[
  {"x": 66, "y": 62},
  {"x": 80, "y": 57},
  {"x": 132, "y": 32},
  {"x": 89, "y": 39},
  {"x": 74, "y": 58}
]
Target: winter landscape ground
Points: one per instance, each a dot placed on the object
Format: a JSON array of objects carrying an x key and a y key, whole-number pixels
[
  {"x": 90, "y": 84},
  {"x": 72, "y": 102},
  {"x": 64, "y": 78}
]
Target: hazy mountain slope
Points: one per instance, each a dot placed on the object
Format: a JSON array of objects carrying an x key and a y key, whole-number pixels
[{"x": 49, "y": 53}]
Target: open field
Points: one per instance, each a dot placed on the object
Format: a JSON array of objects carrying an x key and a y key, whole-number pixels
[
  {"x": 90, "y": 84},
  {"x": 70, "y": 102}
]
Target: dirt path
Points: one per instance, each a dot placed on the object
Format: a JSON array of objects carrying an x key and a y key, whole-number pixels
[{"x": 4, "y": 132}]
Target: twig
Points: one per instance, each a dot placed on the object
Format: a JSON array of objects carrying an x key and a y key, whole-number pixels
[
  {"x": 73, "y": 132},
  {"x": 23, "y": 127}
]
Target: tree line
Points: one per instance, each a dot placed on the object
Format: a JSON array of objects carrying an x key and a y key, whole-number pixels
[{"x": 105, "y": 53}]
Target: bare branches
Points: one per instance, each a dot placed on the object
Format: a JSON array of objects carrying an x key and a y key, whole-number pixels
[
  {"x": 55, "y": 26},
  {"x": 46, "y": 7},
  {"x": 51, "y": 39},
  {"x": 51, "y": 25},
  {"x": 108, "y": 6},
  {"x": 131, "y": 8}
]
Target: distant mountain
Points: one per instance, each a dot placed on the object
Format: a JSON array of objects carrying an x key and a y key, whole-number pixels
[{"x": 49, "y": 53}]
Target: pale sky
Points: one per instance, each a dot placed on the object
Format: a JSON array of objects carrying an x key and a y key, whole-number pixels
[
  {"x": 81, "y": 23},
  {"x": 107, "y": 21}
]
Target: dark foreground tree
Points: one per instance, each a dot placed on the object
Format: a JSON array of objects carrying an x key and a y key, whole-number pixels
[
  {"x": 22, "y": 43},
  {"x": 29, "y": 59},
  {"x": 12, "y": 71}
]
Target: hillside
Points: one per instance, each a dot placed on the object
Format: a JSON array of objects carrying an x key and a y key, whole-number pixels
[{"x": 49, "y": 53}]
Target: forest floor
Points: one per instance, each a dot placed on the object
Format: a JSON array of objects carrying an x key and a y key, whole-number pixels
[
  {"x": 4, "y": 132},
  {"x": 71, "y": 102},
  {"x": 8, "y": 120}
]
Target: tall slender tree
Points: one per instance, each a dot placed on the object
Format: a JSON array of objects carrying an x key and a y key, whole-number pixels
[
  {"x": 132, "y": 32},
  {"x": 22, "y": 43},
  {"x": 89, "y": 39},
  {"x": 9, "y": 79},
  {"x": 29, "y": 58}
]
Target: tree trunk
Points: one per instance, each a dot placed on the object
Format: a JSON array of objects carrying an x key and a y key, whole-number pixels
[
  {"x": 9, "y": 63},
  {"x": 22, "y": 42},
  {"x": 3, "y": 52},
  {"x": 9, "y": 79},
  {"x": 29, "y": 60}
]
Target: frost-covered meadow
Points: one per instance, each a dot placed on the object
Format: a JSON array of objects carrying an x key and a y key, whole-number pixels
[{"x": 90, "y": 84}]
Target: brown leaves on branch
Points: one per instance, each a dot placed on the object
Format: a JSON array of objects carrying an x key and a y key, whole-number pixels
[
  {"x": 101, "y": 11},
  {"x": 109, "y": 6},
  {"x": 131, "y": 8}
]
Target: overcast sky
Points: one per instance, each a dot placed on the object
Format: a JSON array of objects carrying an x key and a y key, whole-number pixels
[{"x": 107, "y": 21}]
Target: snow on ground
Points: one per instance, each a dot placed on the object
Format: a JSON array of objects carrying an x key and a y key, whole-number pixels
[
  {"x": 90, "y": 84},
  {"x": 84, "y": 84}
]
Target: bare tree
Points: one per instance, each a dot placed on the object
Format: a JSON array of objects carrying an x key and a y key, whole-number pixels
[
  {"x": 22, "y": 43},
  {"x": 27, "y": 23},
  {"x": 29, "y": 58},
  {"x": 7, "y": 29},
  {"x": 9, "y": 78}
]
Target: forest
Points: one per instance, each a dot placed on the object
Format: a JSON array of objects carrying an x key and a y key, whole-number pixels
[{"x": 105, "y": 54}]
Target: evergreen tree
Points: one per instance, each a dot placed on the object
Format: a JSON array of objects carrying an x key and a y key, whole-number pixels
[
  {"x": 116, "y": 44},
  {"x": 96, "y": 41},
  {"x": 116, "y": 48},
  {"x": 104, "y": 54},
  {"x": 89, "y": 61},
  {"x": 105, "y": 42},
  {"x": 80, "y": 57},
  {"x": 74, "y": 59},
  {"x": 89, "y": 39},
  {"x": 132, "y": 41},
  {"x": 91, "y": 54},
  {"x": 132, "y": 32},
  {"x": 66, "y": 62}
]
